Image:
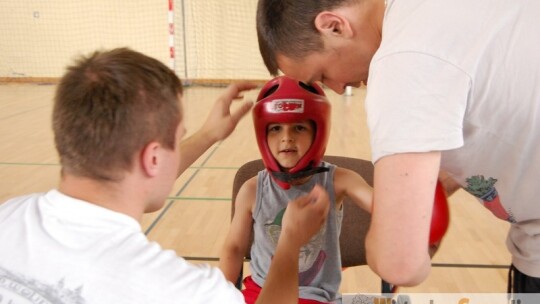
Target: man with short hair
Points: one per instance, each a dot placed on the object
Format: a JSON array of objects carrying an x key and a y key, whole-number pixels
[{"x": 118, "y": 125}]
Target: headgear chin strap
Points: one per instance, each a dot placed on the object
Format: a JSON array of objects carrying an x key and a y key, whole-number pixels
[
  {"x": 285, "y": 100},
  {"x": 288, "y": 177}
]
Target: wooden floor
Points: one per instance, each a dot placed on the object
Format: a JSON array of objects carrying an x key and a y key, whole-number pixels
[{"x": 472, "y": 259}]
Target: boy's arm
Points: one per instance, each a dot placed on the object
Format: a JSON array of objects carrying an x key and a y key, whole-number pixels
[
  {"x": 218, "y": 125},
  {"x": 238, "y": 238},
  {"x": 352, "y": 185}
]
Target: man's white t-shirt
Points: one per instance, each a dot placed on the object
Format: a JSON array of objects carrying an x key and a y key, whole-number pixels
[
  {"x": 463, "y": 77},
  {"x": 57, "y": 249}
]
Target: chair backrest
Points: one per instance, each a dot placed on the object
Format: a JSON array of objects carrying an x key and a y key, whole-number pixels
[{"x": 355, "y": 220}]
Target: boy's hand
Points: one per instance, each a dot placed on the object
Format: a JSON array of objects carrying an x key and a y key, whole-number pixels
[
  {"x": 221, "y": 122},
  {"x": 305, "y": 216}
]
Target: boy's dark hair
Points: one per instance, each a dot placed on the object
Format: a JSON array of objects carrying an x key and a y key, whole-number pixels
[
  {"x": 108, "y": 106},
  {"x": 287, "y": 27}
]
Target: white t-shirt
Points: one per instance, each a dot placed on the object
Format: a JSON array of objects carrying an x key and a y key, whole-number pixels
[
  {"x": 463, "y": 77},
  {"x": 57, "y": 249}
]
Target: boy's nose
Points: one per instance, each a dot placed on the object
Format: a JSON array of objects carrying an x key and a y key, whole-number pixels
[
  {"x": 287, "y": 138},
  {"x": 287, "y": 135}
]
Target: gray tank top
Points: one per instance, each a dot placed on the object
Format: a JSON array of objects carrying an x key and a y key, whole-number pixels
[{"x": 320, "y": 259}]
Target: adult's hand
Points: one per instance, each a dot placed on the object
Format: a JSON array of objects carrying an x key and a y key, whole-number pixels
[
  {"x": 221, "y": 121},
  {"x": 219, "y": 124}
]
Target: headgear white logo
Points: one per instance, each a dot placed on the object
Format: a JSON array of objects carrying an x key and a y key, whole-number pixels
[{"x": 285, "y": 106}]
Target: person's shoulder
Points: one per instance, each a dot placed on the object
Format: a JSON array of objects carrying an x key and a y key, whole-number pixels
[
  {"x": 19, "y": 202},
  {"x": 22, "y": 198},
  {"x": 247, "y": 193},
  {"x": 169, "y": 276},
  {"x": 251, "y": 183},
  {"x": 346, "y": 178},
  {"x": 341, "y": 172}
]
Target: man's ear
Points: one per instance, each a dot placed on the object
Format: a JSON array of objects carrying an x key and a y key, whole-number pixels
[
  {"x": 150, "y": 158},
  {"x": 333, "y": 24}
]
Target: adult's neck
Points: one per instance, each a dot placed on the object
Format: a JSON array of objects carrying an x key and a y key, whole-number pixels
[{"x": 114, "y": 195}]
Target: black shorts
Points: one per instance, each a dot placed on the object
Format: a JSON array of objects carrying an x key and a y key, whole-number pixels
[{"x": 519, "y": 282}]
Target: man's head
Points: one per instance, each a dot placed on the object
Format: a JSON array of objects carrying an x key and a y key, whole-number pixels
[
  {"x": 287, "y": 27},
  {"x": 327, "y": 41},
  {"x": 110, "y": 105},
  {"x": 303, "y": 111}
]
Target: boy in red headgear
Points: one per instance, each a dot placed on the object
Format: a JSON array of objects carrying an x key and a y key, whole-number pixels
[{"x": 292, "y": 122}]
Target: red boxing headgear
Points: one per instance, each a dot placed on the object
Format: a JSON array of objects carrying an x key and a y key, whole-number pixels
[{"x": 285, "y": 100}]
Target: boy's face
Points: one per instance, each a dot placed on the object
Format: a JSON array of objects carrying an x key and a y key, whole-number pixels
[{"x": 289, "y": 142}]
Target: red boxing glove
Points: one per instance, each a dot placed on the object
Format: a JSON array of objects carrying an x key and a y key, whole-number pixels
[{"x": 440, "y": 217}]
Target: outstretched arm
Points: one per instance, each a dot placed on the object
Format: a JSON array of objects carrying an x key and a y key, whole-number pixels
[
  {"x": 303, "y": 218},
  {"x": 218, "y": 125},
  {"x": 238, "y": 239}
]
